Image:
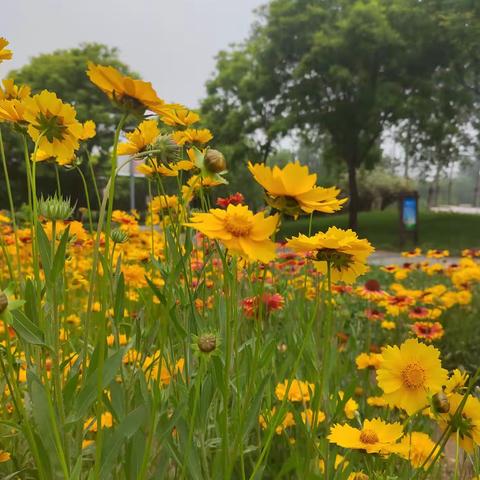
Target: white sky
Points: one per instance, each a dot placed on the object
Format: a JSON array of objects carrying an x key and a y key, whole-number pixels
[{"x": 171, "y": 43}]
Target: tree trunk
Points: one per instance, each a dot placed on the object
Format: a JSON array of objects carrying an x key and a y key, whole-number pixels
[
  {"x": 437, "y": 184},
  {"x": 476, "y": 190},
  {"x": 353, "y": 190},
  {"x": 450, "y": 183}
]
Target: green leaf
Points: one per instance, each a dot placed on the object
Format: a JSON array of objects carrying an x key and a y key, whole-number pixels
[
  {"x": 88, "y": 394},
  {"x": 27, "y": 330},
  {"x": 125, "y": 430},
  {"x": 59, "y": 260},
  {"x": 45, "y": 251}
]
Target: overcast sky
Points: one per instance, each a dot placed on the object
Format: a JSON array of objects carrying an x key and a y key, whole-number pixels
[{"x": 171, "y": 43}]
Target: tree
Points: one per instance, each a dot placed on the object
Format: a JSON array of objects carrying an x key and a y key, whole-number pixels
[
  {"x": 63, "y": 72},
  {"x": 346, "y": 68},
  {"x": 243, "y": 108}
]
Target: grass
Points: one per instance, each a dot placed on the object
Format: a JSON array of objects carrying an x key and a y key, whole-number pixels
[{"x": 452, "y": 231}]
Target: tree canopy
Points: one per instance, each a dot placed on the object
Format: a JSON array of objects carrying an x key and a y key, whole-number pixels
[{"x": 346, "y": 70}]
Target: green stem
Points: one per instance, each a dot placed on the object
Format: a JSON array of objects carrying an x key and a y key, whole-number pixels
[{"x": 12, "y": 207}]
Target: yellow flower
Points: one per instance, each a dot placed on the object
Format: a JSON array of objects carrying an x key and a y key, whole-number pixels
[
  {"x": 376, "y": 402},
  {"x": 152, "y": 167},
  {"x": 339, "y": 461},
  {"x": 456, "y": 381},
  {"x": 388, "y": 325},
  {"x": 144, "y": 135},
  {"x": 179, "y": 116},
  {"x": 409, "y": 374},
  {"x": 368, "y": 360},
  {"x": 4, "y": 456},
  {"x": 308, "y": 417},
  {"x": 416, "y": 448},
  {"x": 53, "y": 124},
  {"x": 10, "y": 91},
  {"x": 299, "y": 391},
  {"x": 240, "y": 230},
  {"x": 5, "y": 54},
  {"x": 467, "y": 424},
  {"x": 89, "y": 130},
  {"x": 129, "y": 93},
  {"x": 376, "y": 436},
  {"x": 12, "y": 111},
  {"x": 191, "y": 135},
  {"x": 163, "y": 202},
  {"x": 345, "y": 252},
  {"x": 106, "y": 421},
  {"x": 293, "y": 190},
  {"x": 351, "y": 406}
]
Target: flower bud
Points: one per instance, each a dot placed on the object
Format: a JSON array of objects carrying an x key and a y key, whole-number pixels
[
  {"x": 165, "y": 148},
  {"x": 440, "y": 403},
  {"x": 215, "y": 161},
  {"x": 55, "y": 208},
  {"x": 207, "y": 342},
  {"x": 3, "y": 302},
  {"x": 119, "y": 236}
]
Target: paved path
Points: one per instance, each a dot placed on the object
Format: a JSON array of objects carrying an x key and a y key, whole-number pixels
[{"x": 381, "y": 257}]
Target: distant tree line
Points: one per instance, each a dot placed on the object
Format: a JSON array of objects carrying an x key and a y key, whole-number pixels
[{"x": 338, "y": 74}]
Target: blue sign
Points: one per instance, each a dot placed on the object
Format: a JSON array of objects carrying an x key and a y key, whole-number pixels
[{"x": 409, "y": 213}]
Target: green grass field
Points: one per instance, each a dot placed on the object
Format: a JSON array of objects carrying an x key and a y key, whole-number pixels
[{"x": 436, "y": 230}]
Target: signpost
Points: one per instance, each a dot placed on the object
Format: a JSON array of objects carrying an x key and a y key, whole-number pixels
[{"x": 408, "y": 207}]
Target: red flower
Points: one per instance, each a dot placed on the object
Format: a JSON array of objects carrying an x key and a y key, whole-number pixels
[
  {"x": 235, "y": 199},
  {"x": 271, "y": 302},
  {"x": 428, "y": 330}
]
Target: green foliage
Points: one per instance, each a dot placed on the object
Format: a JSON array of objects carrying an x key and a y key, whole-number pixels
[{"x": 63, "y": 72}]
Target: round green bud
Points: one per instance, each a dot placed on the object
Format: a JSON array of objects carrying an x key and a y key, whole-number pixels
[{"x": 215, "y": 161}]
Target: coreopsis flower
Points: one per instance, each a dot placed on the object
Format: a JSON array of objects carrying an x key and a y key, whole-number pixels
[
  {"x": 376, "y": 436},
  {"x": 416, "y": 252},
  {"x": 268, "y": 303},
  {"x": 416, "y": 447},
  {"x": 163, "y": 202},
  {"x": 410, "y": 374},
  {"x": 456, "y": 382},
  {"x": 373, "y": 314},
  {"x": 287, "y": 421},
  {"x": 388, "y": 325},
  {"x": 191, "y": 135},
  {"x": 129, "y": 93},
  {"x": 155, "y": 167},
  {"x": 341, "y": 249},
  {"x": 5, "y": 54},
  {"x": 376, "y": 402},
  {"x": 234, "y": 199},
  {"x": 241, "y": 231},
  {"x": 179, "y": 116},
  {"x": 471, "y": 252},
  {"x": 438, "y": 253},
  {"x": 467, "y": 424},
  {"x": 293, "y": 190},
  {"x": 12, "y": 111},
  {"x": 299, "y": 391},
  {"x": 4, "y": 456},
  {"x": 428, "y": 331},
  {"x": 368, "y": 360},
  {"x": 195, "y": 183},
  {"x": 350, "y": 408},
  {"x": 10, "y": 91},
  {"x": 106, "y": 421},
  {"x": 309, "y": 417},
  {"x": 340, "y": 461},
  {"x": 138, "y": 140},
  {"x": 53, "y": 124},
  {"x": 371, "y": 290}
]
